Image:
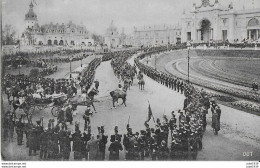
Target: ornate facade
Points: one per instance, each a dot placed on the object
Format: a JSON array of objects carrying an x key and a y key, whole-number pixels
[
  {"x": 112, "y": 36},
  {"x": 157, "y": 35},
  {"x": 53, "y": 34},
  {"x": 216, "y": 22}
]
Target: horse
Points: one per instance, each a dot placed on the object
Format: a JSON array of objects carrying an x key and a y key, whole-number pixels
[
  {"x": 141, "y": 84},
  {"x": 116, "y": 94},
  {"x": 9, "y": 93},
  {"x": 88, "y": 100}
]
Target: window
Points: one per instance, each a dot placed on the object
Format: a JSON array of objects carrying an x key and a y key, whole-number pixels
[{"x": 253, "y": 22}]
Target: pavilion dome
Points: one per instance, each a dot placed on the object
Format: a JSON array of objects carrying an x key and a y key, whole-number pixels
[{"x": 30, "y": 15}]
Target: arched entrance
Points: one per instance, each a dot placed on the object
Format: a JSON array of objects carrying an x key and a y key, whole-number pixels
[
  {"x": 49, "y": 42},
  {"x": 253, "y": 29},
  {"x": 55, "y": 42},
  {"x": 206, "y": 31},
  {"x": 61, "y": 42}
]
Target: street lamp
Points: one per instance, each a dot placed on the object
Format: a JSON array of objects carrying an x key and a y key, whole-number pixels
[
  {"x": 70, "y": 67},
  {"x": 81, "y": 61},
  {"x": 19, "y": 66},
  {"x": 155, "y": 61},
  {"x": 188, "y": 45}
]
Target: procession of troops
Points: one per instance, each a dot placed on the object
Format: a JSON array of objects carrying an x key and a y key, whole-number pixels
[{"x": 175, "y": 138}]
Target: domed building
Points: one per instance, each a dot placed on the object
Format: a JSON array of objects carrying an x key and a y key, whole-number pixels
[
  {"x": 50, "y": 34},
  {"x": 112, "y": 37}
]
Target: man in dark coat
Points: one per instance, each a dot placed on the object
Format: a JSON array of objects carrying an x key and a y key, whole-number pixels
[
  {"x": 78, "y": 145},
  {"x": 44, "y": 141},
  {"x": 102, "y": 143},
  {"x": 32, "y": 141},
  {"x": 114, "y": 149},
  {"x": 19, "y": 131},
  {"x": 96, "y": 84},
  {"x": 163, "y": 151},
  {"x": 116, "y": 135}
]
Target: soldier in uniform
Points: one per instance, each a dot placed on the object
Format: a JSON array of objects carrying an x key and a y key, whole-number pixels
[
  {"x": 38, "y": 130},
  {"x": 172, "y": 122},
  {"x": 55, "y": 143},
  {"x": 19, "y": 131},
  {"x": 114, "y": 149},
  {"x": 102, "y": 142},
  {"x": 116, "y": 135},
  {"x": 175, "y": 83},
  {"x": 86, "y": 117},
  {"x": 182, "y": 118},
  {"x": 44, "y": 141},
  {"x": 193, "y": 146},
  {"x": 32, "y": 141},
  {"x": 178, "y": 85},
  {"x": 86, "y": 138},
  {"x": 176, "y": 147},
  {"x": 96, "y": 84},
  {"x": 153, "y": 146},
  {"x": 142, "y": 144},
  {"x": 78, "y": 144},
  {"x": 128, "y": 143},
  {"x": 163, "y": 151}
]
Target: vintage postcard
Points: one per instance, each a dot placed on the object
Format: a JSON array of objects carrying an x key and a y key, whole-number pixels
[{"x": 130, "y": 80}]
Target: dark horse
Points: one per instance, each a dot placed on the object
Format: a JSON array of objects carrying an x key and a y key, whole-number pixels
[
  {"x": 116, "y": 94},
  {"x": 77, "y": 100}
]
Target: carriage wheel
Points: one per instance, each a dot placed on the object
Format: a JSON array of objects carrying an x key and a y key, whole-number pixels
[{"x": 55, "y": 111}]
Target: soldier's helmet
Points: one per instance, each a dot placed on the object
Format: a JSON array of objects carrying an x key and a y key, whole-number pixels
[{"x": 163, "y": 143}]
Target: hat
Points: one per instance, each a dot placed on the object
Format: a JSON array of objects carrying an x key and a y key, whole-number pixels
[
  {"x": 163, "y": 143},
  {"x": 142, "y": 132},
  {"x": 174, "y": 132}
]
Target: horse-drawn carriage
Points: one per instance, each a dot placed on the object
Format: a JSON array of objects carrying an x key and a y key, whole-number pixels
[{"x": 29, "y": 103}]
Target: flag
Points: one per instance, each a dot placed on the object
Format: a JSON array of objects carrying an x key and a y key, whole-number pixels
[{"x": 150, "y": 114}]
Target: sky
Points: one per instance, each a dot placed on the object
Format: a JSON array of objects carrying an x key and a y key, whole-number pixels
[{"x": 96, "y": 15}]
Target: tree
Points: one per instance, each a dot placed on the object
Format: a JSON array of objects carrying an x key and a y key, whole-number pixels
[
  {"x": 97, "y": 38},
  {"x": 8, "y": 34}
]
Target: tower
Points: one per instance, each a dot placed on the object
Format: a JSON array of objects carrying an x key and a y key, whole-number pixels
[{"x": 30, "y": 17}]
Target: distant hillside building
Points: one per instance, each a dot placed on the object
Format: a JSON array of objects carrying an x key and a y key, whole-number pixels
[
  {"x": 112, "y": 37},
  {"x": 53, "y": 34},
  {"x": 216, "y": 22},
  {"x": 157, "y": 35}
]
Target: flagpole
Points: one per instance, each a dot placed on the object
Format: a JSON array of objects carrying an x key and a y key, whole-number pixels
[{"x": 128, "y": 119}]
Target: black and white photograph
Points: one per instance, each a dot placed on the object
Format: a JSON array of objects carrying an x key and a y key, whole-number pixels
[{"x": 130, "y": 80}]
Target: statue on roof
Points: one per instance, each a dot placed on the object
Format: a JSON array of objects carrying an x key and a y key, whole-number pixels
[{"x": 205, "y": 2}]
